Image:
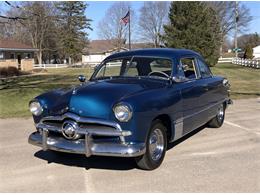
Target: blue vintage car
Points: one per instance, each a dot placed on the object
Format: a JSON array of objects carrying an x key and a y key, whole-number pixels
[{"x": 134, "y": 104}]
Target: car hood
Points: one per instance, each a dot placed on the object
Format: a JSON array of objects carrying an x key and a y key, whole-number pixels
[{"x": 96, "y": 98}]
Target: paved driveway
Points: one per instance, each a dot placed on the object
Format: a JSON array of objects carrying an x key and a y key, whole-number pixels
[{"x": 210, "y": 160}]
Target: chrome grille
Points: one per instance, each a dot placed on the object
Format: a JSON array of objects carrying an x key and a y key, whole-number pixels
[{"x": 94, "y": 127}]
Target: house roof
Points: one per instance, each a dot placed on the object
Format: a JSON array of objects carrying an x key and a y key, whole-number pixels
[
  {"x": 10, "y": 44},
  {"x": 100, "y": 46},
  {"x": 103, "y": 46}
]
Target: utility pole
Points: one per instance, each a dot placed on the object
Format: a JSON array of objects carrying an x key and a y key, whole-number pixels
[
  {"x": 236, "y": 13},
  {"x": 129, "y": 28}
]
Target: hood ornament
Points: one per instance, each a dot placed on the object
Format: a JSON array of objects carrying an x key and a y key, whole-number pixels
[{"x": 74, "y": 91}]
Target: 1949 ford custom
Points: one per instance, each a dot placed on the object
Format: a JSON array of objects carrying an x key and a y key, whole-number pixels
[{"x": 134, "y": 104}]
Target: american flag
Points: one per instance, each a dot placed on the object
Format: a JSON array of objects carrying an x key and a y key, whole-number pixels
[{"x": 125, "y": 19}]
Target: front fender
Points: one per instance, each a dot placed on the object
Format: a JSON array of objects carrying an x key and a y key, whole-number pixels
[{"x": 149, "y": 105}]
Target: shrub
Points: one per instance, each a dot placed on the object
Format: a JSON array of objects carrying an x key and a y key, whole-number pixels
[{"x": 9, "y": 71}]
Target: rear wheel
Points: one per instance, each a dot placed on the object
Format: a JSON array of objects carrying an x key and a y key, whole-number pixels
[
  {"x": 156, "y": 145},
  {"x": 218, "y": 120}
]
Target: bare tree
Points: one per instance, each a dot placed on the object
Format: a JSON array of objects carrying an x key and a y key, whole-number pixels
[
  {"x": 38, "y": 24},
  {"x": 152, "y": 18},
  {"x": 227, "y": 17},
  {"x": 251, "y": 40},
  {"x": 30, "y": 22},
  {"x": 9, "y": 20},
  {"x": 111, "y": 28}
]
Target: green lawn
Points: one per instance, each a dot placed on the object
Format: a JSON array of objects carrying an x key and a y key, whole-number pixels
[
  {"x": 17, "y": 92},
  {"x": 245, "y": 82}
]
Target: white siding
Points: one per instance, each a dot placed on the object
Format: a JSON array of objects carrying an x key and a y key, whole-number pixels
[
  {"x": 93, "y": 59},
  {"x": 256, "y": 51}
]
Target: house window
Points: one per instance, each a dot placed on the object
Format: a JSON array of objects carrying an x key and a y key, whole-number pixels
[
  {"x": 27, "y": 55},
  {"x": 1, "y": 55},
  {"x": 12, "y": 56}
]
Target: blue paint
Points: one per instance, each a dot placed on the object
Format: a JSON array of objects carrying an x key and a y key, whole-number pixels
[{"x": 148, "y": 97}]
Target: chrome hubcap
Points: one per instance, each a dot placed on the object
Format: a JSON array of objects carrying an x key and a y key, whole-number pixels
[
  {"x": 220, "y": 114},
  {"x": 156, "y": 144}
]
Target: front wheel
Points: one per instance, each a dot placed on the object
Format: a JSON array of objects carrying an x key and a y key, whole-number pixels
[
  {"x": 156, "y": 145},
  {"x": 218, "y": 120}
]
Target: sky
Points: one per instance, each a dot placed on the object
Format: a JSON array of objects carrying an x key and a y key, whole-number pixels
[
  {"x": 254, "y": 7},
  {"x": 97, "y": 9}
]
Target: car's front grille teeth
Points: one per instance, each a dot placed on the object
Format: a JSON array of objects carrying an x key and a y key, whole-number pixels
[{"x": 58, "y": 125}]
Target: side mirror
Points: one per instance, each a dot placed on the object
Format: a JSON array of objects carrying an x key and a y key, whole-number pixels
[{"x": 82, "y": 78}]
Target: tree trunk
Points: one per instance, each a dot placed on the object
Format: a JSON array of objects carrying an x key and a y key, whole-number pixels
[{"x": 39, "y": 56}]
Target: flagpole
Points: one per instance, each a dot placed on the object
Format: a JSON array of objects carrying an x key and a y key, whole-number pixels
[{"x": 129, "y": 28}]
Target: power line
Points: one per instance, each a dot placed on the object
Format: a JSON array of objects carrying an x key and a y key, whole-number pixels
[
  {"x": 12, "y": 5},
  {"x": 18, "y": 7},
  {"x": 12, "y": 18}
]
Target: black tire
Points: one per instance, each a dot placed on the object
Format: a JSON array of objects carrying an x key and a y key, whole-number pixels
[
  {"x": 218, "y": 120},
  {"x": 148, "y": 161}
]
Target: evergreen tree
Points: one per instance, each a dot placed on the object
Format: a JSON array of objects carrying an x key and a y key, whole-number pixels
[
  {"x": 248, "y": 52},
  {"x": 193, "y": 25},
  {"x": 73, "y": 28}
]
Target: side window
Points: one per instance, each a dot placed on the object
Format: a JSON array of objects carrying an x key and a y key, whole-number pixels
[
  {"x": 204, "y": 69},
  {"x": 161, "y": 65},
  {"x": 144, "y": 66},
  {"x": 189, "y": 67}
]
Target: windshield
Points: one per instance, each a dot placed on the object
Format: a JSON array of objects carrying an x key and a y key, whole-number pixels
[{"x": 135, "y": 66}]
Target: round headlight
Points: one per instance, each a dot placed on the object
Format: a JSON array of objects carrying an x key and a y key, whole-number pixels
[
  {"x": 36, "y": 108},
  {"x": 123, "y": 112}
]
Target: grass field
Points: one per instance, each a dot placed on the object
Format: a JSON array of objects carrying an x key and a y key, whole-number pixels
[{"x": 15, "y": 93}]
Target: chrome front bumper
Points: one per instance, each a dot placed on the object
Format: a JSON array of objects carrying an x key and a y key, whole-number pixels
[{"x": 86, "y": 146}]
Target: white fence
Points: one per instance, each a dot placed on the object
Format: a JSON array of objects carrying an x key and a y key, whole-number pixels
[
  {"x": 224, "y": 60},
  {"x": 246, "y": 62},
  {"x": 50, "y": 66}
]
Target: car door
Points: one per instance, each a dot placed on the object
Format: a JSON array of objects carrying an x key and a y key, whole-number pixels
[
  {"x": 193, "y": 94},
  {"x": 212, "y": 87}
]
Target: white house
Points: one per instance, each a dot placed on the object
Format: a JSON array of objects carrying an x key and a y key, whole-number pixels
[
  {"x": 98, "y": 50},
  {"x": 256, "y": 51}
]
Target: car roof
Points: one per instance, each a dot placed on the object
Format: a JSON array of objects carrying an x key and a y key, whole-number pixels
[{"x": 158, "y": 52}]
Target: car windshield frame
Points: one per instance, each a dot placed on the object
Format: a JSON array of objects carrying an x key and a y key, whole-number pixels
[{"x": 99, "y": 68}]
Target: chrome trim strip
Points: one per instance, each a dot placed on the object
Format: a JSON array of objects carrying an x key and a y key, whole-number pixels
[
  {"x": 88, "y": 147},
  {"x": 178, "y": 130},
  {"x": 88, "y": 131},
  {"x": 44, "y": 139}
]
